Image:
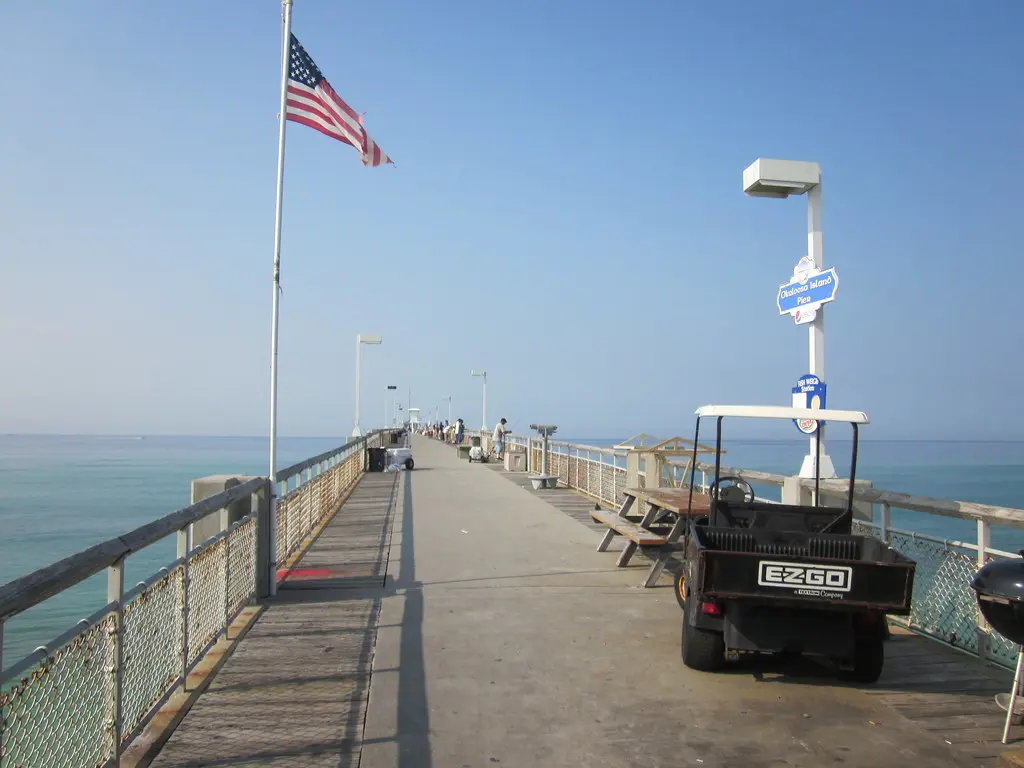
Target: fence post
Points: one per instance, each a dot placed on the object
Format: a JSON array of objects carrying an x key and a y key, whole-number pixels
[
  {"x": 225, "y": 523},
  {"x": 263, "y": 534},
  {"x": 984, "y": 543},
  {"x": 184, "y": 547},
  {"x": 115, "y": 594},
  {"x": 886, "y": 521}
]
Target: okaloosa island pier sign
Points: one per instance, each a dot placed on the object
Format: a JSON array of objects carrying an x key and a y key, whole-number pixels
[{"x": 806, "y": 291}]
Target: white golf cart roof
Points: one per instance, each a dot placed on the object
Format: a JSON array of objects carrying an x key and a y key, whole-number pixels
[{"x": 782, "y": 412}]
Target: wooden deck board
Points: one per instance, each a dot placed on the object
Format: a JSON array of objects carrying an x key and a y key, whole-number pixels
[
  {"x": 630, "y": 530},
  {"x": 673, "y": 499}
]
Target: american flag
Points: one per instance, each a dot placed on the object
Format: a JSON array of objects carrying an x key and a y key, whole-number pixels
[{"x": 313, "y": 102}]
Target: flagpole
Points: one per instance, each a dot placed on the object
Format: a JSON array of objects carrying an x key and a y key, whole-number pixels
[{"x": 282, "y": 115}]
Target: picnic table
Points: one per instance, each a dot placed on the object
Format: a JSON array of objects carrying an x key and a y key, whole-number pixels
[{"x": 669, "y": 504}]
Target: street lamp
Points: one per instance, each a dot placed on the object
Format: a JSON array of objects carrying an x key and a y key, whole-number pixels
[
  {"x": 484, "y": 374},
  {"x": 391, "y": 387},
  {"x": 362, "y": 338},
  {"x": 782, "y": 178},
  {"x": 449, "y": 409}
]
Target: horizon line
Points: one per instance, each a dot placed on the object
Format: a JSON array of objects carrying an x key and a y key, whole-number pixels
[{"x": 140, "y": 435}]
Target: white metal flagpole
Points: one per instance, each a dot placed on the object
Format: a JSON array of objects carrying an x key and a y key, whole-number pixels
[{"x": 285, "y": 47}]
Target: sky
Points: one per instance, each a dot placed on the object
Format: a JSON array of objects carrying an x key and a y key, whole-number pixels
[{"x": 566, "y": 211}]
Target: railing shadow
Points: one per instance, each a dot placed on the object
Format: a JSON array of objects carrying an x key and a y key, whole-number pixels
[{"x": 413, "y": 729}]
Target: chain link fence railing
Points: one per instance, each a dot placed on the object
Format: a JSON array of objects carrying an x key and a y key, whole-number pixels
[
  {"x": 78, "y": 702},
  {"x": 943, "y": 604},
  {"x": 57, "y": 713},
  {"x": 153, "y": 640}
]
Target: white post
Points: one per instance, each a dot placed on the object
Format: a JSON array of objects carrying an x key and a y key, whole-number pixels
[
  {"x": 816, "y": 333},
  {"x": 385, "y": 409},
  {"x": 449, "y": 409},
  {"x": 483, "y": 427},
  {"x": 356, "y": 432},
  {"x": 285, "y": 50}
]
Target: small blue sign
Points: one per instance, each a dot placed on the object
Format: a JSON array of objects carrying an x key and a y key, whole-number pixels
[
  {"x": 814, "y": 291},
  {"x": 809, "y": 392}
]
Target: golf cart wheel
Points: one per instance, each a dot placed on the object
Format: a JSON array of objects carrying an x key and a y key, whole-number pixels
[
  {"x": 409, "y": 464},
  {"x": 679, "y": 585},
  {"x": 868, "y": 658},
  {"x": 703, "y": 649}
]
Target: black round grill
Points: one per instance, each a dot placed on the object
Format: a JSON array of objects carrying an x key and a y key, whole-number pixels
[{"x": 1000, "y": 591}]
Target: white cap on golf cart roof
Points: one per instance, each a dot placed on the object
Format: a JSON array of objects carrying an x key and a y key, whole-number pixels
[{"x": 782, "y": 412}]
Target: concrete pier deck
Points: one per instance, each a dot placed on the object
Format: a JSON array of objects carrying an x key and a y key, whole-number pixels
[{"x": 449, "y": 617}]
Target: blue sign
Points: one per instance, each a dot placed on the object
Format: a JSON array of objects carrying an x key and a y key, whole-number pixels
[
  {"x": 809, "y": 293},
  {"x": 809, "y": 392}
]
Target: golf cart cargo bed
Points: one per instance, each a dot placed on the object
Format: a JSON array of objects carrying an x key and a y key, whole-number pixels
[{"x": 833, "y": 571}]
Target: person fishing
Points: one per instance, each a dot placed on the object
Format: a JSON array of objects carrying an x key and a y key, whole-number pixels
[{"x": 499, "y": 439}]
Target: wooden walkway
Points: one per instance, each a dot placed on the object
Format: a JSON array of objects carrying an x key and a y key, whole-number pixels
[
  {"x": 454, "y": 618},
  {"x": 294, "y": 691}
]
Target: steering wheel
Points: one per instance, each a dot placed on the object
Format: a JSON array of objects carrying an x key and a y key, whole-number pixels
[{"x": 732, "y": 489}]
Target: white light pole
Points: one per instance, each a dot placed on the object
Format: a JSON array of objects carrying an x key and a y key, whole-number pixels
[
  {"x": 361, "y": 338},
  {"x": 391, "y": 387},
  {"x": 782, "y": 178},
  {"x": 484, "y": 374},
  {"x": 449, "y": 409}
]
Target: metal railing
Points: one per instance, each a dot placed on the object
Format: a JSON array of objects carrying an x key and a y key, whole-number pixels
[
  {"x": 81, "y": 699},
  {"x": 944, "y": 606}
]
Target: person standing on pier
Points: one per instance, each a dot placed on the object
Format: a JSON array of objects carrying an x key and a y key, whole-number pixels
[
  {"x": 499, "y": 440},
  {"x": 460, "y": 431}
]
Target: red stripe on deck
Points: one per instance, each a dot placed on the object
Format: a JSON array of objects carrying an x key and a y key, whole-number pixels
[{"x": 304, "y": 573}]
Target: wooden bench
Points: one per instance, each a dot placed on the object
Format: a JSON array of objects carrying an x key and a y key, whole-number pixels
[
  {"x": 661, "y": 502},
  {"x": 632, "y": 531}
]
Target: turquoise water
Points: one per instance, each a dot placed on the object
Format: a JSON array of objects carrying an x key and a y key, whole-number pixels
[{"x": 59, "y": 495}]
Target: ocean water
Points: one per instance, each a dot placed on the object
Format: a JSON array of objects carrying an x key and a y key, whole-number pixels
[{"x": 59, "y": 495}]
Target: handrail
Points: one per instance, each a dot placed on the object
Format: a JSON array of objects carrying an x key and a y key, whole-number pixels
[
  {"x": 965, "y": 510},
  {"x": 22, "y": 593},
  {"x": 283, "y": 474},
  {"x": 750, "y": 475}
]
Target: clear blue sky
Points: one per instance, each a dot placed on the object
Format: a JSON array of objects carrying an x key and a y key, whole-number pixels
[{"x": 566, "y": 212}]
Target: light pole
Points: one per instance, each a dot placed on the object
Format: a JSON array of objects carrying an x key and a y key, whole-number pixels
[
  {"x": 782, "y": 178},
  {"x": 483, "y": 427},
  {"x": 449, "y": 409},
  {"x": 361, "y": 338},
  {"x": 391, "y": 387}
]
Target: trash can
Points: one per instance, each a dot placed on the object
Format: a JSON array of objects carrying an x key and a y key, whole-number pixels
[
  {"x": 474, "y": 441},
  {"x": 376, "y": 459}
]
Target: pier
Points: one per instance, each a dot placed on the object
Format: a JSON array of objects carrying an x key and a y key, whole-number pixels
[{"x": 453, "y": 616}]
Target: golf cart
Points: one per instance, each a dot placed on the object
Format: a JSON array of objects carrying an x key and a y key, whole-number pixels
[{"x": 761, "y": 577}]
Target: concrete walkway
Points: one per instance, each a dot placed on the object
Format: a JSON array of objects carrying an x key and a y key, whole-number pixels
[{"x": 500, "y": 637}]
